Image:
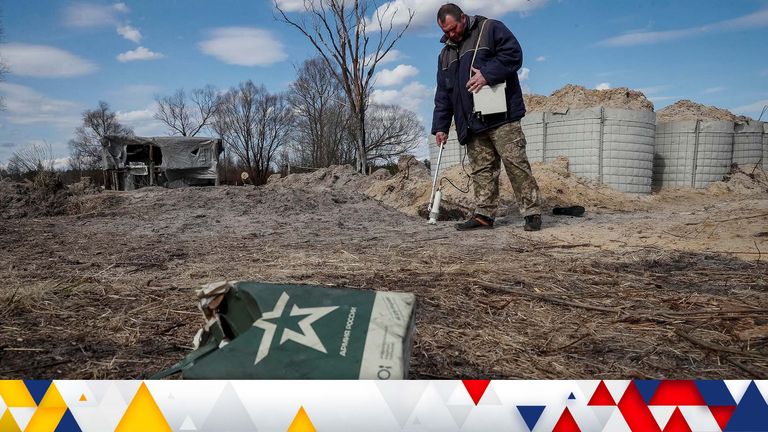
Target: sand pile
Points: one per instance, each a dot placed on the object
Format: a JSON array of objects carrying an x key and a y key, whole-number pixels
[
  {"x": 337, "y": 177},
  {"x": 576, "y": 97},
  {"x": 689, "y": 110},
  {"x": 739, "y": 181},
  {"x": 558, "y": 188}
]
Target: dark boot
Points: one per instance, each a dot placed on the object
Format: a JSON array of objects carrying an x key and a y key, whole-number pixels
[
  {"x": 533, "y": 223},
  {"x": 477, "y": 221}
]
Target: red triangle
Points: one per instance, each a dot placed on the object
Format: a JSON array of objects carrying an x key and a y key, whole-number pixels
[
  {"x": 476, "y": 388},
  {"x": 677, "y": 423},
  {"x": 678, "y": 393},
  {"x": 566, "y": 423},
  {"x": 602, "y": 397},
  {"x": 722, "y": 414},
  {"x": 636, "y": 413}
]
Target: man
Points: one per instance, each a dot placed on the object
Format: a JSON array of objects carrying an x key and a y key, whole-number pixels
[{"x": 491, "y": 139}]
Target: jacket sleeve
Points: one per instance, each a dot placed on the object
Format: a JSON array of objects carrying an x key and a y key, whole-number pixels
[
  {"x": 508, "y": 56},
  {"x": 443, "y": 113}
]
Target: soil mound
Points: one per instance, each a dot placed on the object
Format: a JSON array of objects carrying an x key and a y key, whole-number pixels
[
  {"x": 577, "y": 97},
  {"x": 688, "y": 110}
]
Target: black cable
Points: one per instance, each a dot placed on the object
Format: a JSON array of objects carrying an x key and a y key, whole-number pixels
[{"x": 469, "y": 178}]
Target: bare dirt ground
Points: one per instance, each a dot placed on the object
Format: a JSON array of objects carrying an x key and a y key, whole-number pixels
[{"x": 673, "y": 285}]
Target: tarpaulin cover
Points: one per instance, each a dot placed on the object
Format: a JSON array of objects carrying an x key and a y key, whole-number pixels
[{"x": 177, "y": 152}]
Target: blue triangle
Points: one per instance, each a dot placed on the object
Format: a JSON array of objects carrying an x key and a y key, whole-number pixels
[
  {"x": 647, "y": 388},
  {"x": 751, "y": 413},
  {"x": 715, "y": 393},
  {"x": 571, "y": 397},
  {"x": 531, "y": 414},
  {"x": 37, "y": 388},
  {"x": 68, "y": 423}
]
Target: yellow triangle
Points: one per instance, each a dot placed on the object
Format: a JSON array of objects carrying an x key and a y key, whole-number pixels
[
  {"x": 301, "y": 423},
  {"x": 15, "y": 394},
  {"x": 45, "y": 419},
  {"x": 8, "y": 424},
  {"x": 143, "y": 414},
  {"x": 53, "y": 399},
  {"x": 83, "y": 398}
]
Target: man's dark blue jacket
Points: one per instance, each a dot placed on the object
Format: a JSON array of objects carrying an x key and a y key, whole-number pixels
[{"x": 498, "y": 57}]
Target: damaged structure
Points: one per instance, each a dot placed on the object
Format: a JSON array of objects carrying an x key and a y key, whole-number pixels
[{"x": 132, "y": 162}]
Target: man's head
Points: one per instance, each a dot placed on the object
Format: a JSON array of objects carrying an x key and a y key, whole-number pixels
[{"x": 452, "y": 21}]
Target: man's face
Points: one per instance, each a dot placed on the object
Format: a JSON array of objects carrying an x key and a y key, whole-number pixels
[{"x": 454, "y": 28}]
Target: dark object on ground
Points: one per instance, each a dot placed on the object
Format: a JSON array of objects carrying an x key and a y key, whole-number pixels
[
  {"x": 476, "y": 222},
  {"x": 532, "y": 223},
  {"x": 576, "y": 211},
  {"x": 266, "y": 331}
]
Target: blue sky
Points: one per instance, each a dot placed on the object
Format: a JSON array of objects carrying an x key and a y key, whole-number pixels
[{"x": 65, "y": 56}]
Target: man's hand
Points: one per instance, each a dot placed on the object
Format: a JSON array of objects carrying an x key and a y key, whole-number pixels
[
  {"x": 477, "y": 81},
  {"x": 441, "y": 138}
]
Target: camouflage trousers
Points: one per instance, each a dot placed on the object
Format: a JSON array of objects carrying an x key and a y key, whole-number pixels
[{"x": 504, "y": 144}]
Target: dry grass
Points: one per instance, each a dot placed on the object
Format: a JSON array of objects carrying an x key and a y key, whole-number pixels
[{"x": 110, "y": 293}]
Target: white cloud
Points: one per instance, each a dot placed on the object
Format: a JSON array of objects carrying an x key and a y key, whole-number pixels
[
  {"x": 143, "y": 121},
  {"x": 411, "y": 97},
  {"x": 131, "y": 33},
  {"x": 754, "y": 108},
  {"x": 603, "y": 86},
  {"x": 26, "y": 106},
  {"x": 656, "y": 99},
  {"x": 244, "y": 46},
  {"x": 426, "y": 10},
  {"x": 391, "y": 57},
  {"x": 712, "y": 90},
  {"x": 291, "y": 5},
  {"x": 44, "y": 61},
  {"x": 120, "y": 7},
  {"x": 653, "y": 89},
  {"x": 754, "y": 20},
  {"x": 523, "y": 74},
  {"x": 139, "y": 53},
  {"x": 390, "y": 77},
  {"x": 541, "y": 58},
  {"x": 89, "y": 15}
]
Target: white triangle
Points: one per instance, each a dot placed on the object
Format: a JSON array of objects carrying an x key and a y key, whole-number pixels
[
  {"x": 188, "y": 425},
  {"x": 228, "y": 413},
  {"x": 617, "y": 388},
  {"x": 700, "y": 418},
  {"x": 588, "y": 388},
  {"x": 22, "y": 416},
  {"x": 98, "y": 390},
  {"x": 617, "y": 423},
  {"x": 460, "y": 396},
  {"x": 127, "y": 389},
  {"x": 662, "y": 414},
  {"x": 402, "y": 397},
  {"x": 444, "y": 388},
  {"x": 737, "y": 388},
  {"x": 603, "y": 414},
  {"x": 3, "y": 406},
  {"x": 762, "y": 385},
  {"x": 490, "y": 397},
  {"x": 72, "y": 391},
  {"x": 460, "y": 413}
]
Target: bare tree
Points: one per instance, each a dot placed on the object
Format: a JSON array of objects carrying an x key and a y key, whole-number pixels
[
  {"x": 85, "y": 147},
  {"x": 36, "y": 157},
  {"x": 392, "y": 132},
  {"x": 187, "y": 116},
  {"x": 254, "y": 124},
  {"x": 352, "y": 45},
  {"x": 320, "y": 137}
]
